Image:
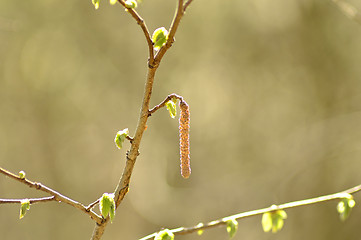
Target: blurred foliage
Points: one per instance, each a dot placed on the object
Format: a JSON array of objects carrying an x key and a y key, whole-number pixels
[{"x": 275, "y": 98}]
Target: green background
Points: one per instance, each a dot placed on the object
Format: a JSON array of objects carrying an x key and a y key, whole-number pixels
[{"x": 274, "y": 89}]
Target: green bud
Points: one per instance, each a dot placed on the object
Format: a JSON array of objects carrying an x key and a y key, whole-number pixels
[
  {"x": 172, "y": 108},
  {"x": 165, "y": 234},
  {"x": 160, "y": 37},
  {"x": 273, "y": 220},
  {"x": 112, "y": 2},
  {"x": 25, "y": 205},
  {"x": 345, "y": 206},
  {"x": 131, "y": 4},
  {"x": 22, "y": 175},
  {"x": 232, "y": 226},
  {"x": 95, "y": 3},
  {"x": 107, "y": 205},
  {"x": 120, "y": 137}
]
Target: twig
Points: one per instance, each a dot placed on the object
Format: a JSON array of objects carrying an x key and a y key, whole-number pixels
[
  {"x": 31, "y": 200},
  {"x": 57, "y": 196},
  {"x": 185, "y": 6},
  {"x": 223, "y": 221},
  {"x": 349, "y": 10},
  {"x": 142, "y": 24},
  {"x": 162, "y": 104}
]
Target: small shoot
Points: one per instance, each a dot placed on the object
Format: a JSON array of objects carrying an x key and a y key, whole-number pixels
[
  {"x": 107, "y": 206},
  {"x": 159, "y": 37},
  {"x": 25, "y": 206},
  {"x": 273, "y": 220},
  {"x": 96, "y": 3},
  {"x": 232, "y": 227},
  {"x": 172, "y": 108},
  {"x": 200, "y": 232},
  {"x": 131, "y": 4},
  {"x": 22, "y": 175},
  {"x": 120, "y": 137},
  {"x": 165, "y": 234},
  {"x": 345, "y": 206}
]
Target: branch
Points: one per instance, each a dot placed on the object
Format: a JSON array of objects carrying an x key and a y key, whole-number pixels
[
  {"x": 162, "y": 104},
  {"x": 348, "y": 10},
  {"x": 31, "y": 200},
  {"x": 142, "y": 24},
  {"x": 223, "y": 221},
  {"x": 186, "y": 5},
  {"x": 57, "y": 196}
]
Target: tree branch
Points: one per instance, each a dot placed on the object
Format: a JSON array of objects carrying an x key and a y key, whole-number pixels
[
  {"x": 186, "y": 5},
  {"x": 142, "y": 24},
  {"x": 162, "y": 104},
  {"x": 57, "y": 196},
  {"x": 31, "y": 200},
  {"x": 223, "y": 221}
]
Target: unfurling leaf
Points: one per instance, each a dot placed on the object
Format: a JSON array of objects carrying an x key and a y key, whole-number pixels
[
  {"x": 131, "y": 4},
  {"x": 232, "y": 226},
  {"x": 159, "y": 38},
  {"x": 273, "y": 220},
  {"x": 96, "y": 3},
  {"x": 107, "y": 205},
  {"x": 165, "y": 234},
  {"x": 22, "y": 175},
  {"x": 120, "y": 137},
  {"x": 25, "y": 205},
  {"x": 172, "y": 108},
  {"x": 345, "y": 206}
]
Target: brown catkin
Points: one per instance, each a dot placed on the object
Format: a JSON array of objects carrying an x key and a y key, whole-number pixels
[{"x": 184, "y": 121}]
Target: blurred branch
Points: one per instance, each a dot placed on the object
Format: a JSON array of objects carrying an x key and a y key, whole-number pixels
[
  {"x": 153, "y": 64},
  {"x": 57, "y": 196},
  {"x": 223, "y": 221},
  {"x": 349, "y": 10},
  {"x": 31, "y": 200},
  {"x": 162, "y": 104},
  {"x": 142, "y": 24},
  {"x": 185, "y": 6}
]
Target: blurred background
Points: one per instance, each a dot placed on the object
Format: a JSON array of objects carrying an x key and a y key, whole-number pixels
[{"x": 274, "y": 89}]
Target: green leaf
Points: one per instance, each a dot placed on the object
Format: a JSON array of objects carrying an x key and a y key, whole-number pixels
[
  {"x": 22, "y": 175},
  {"x": 112, "y": 2},
  {"x": 172, "y": 108},
  {"x": 96, "y": 3},
  {"x": 273, "y": 220},
  {"x": 232, "y": 226},
  {"x": 345, "y": 206},
  {"x": 107, "y": 205},
  {"x": 165, "y": 234},
  {"x": 159, "y": 38},
  {"x": 131, "y": 4},
  {"x": 120, "y": 137},
  {"x": 25, "y": 205}
]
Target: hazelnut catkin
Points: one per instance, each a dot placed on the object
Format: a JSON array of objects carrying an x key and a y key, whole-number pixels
[{"x": 184, "y": 121}]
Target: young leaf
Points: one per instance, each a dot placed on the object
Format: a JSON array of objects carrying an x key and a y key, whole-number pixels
[
  {"x": 131, "y": 4},
  {"x": 159, "y": 37},
  {"x": 22, "y": 175},
  {"x": 345, "y": 206},
  {"x": 164, "y": 235},
  {"x": 25, "y": 205},
  {"x": 120, "y": 137},
  {"x": 273, "y": 220},
  {"x": 96, "y": 3},
  {"x": 232, "y": 226},
  {"x": 107, "y": 205},
  {"x": 172, "y": 108}
]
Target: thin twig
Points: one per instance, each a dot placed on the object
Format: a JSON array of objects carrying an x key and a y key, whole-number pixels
[
  {"x": 57, "y": 196},
  {"x": 162, "y": 104},
  {"x": 186, "y": 5},
  {"x": 223, "y": 221},
  {"x": 142, "y": 24},
  {"x": 31, "y": 200}
]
